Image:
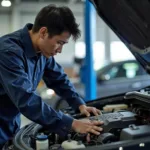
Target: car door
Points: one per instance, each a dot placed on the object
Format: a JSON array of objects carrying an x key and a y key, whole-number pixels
[{"x": 122, "y": 77}]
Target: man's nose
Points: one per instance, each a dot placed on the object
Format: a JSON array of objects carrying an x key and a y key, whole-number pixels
[{"x": 59, "y": 50}]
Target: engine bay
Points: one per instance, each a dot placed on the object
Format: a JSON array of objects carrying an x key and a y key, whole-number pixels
[{"x": 125, "y": 116}]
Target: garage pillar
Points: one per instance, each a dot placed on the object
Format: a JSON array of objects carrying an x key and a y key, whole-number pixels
[{"x": 89, "y": 74}]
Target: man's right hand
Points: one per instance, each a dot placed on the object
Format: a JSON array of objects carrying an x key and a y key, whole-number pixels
[{"x": 87, "y": 126}]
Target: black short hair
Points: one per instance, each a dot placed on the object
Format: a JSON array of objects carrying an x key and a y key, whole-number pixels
[{"x": 57, "y": 20}]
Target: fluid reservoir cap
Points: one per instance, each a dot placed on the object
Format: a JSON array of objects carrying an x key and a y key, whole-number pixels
[{"x": 42, "y": 137}]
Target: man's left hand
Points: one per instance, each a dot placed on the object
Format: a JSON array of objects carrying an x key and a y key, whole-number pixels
[{"x": 87, "y": 110}]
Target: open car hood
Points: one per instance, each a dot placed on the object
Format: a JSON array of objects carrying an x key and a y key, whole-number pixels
[{"x": 130, "y": 20}]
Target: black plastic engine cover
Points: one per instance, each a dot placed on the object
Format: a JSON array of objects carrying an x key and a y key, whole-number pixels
[
  {"x": 117, "y": 120},
  {"x": 135, "y": 132}
]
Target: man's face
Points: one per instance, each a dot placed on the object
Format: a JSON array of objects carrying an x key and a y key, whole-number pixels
[{"x": 50, "y": 46}]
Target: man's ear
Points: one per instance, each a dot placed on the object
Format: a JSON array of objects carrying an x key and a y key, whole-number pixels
[{"x": 43, "y": 32}]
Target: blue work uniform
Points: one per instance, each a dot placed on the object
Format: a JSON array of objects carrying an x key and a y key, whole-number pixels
[{"x": 21, "y": 69}]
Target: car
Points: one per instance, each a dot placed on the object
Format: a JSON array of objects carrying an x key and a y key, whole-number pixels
[
  {"x": 114, "y": 78},
  {"x": 126, "y": 115},
  {"x": 119, "y": 77}
]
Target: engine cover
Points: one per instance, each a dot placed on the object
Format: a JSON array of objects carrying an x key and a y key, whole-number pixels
[{"x": 117, "y": 120}]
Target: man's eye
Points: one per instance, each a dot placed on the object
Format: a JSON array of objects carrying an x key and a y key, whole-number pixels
[{"x": 61, "y": 43}]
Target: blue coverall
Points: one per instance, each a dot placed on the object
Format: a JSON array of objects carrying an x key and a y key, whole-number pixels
[{"x": 21, "y": 69}]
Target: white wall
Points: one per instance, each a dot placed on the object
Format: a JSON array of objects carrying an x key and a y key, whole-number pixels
[
  {"x": 25, "y": 12},
  {"x": 4, "y": 23}
]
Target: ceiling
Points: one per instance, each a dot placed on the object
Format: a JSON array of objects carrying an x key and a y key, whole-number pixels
[
  {"x": 71, "y": 2},
  {"x": 61, "y": 1}
]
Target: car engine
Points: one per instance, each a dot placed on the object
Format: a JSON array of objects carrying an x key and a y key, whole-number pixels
[{"x": 125, "y": 116}]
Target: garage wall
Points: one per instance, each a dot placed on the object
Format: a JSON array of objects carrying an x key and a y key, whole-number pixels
[
  {"x": 26, "y": 12},
  {"x": 4, "y": 23}
]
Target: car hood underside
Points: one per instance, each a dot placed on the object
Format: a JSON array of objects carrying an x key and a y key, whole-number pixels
[{"x": 130, "y": 20}]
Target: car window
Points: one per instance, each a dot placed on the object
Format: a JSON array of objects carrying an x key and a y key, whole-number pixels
[
  {"x": 108, "y": 74},
  {"x": 128, "y": 70},
  {"x": 111, "y": 73}
]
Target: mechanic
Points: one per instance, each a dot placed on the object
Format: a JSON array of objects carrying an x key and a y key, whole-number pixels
[{"x": 26, "y": 56}]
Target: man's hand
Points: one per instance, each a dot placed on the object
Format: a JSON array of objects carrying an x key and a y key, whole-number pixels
[
  {"x": 87, "y": 110},
  {"x": 87, "y": 126}
]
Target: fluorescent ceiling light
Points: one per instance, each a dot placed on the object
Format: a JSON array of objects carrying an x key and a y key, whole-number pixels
[{"x": 6, "y": 3}]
